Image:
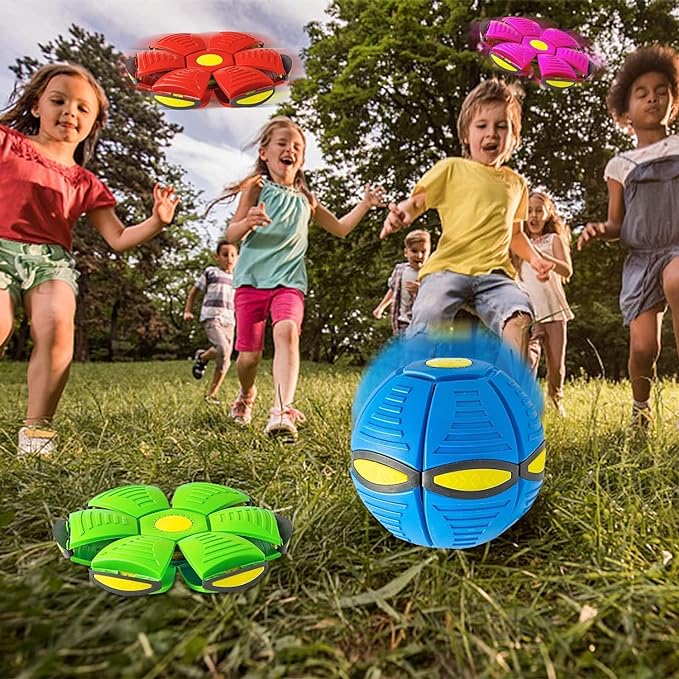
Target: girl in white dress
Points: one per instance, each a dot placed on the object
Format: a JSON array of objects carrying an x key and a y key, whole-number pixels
[{"x": 551, "y": 238}]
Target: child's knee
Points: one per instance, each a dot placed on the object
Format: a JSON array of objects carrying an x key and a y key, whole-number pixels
[
  {"x": 520, "y": 322},
  {"x": 645, "y": 353},
  {"x": 286, "y": 332},
  {"x": 249, "y": 359}
]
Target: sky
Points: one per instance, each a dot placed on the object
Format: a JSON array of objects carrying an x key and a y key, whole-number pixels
[{"x": 213, "y": 147}]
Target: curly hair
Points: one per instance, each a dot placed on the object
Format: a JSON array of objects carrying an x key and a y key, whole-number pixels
[
  {"x": 656, "y": 58},
  {"x": 491, "y": 91},
  {"x": 18, "y": 114}
]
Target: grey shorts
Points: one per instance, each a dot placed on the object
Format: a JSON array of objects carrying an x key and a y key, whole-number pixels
[
  {"x": 642, "y": 286},
  {"x": 220, "y": 336},
  {"x": 24, "y": 266},
  {"x": 494, "y": 296}
]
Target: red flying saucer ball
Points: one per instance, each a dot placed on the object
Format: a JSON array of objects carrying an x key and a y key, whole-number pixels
[{"x": 183, "y": 70}]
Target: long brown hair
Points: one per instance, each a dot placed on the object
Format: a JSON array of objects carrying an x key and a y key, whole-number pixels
[
  {"x": 263, "y": 139},
  {"x": 19, "y": 116}
]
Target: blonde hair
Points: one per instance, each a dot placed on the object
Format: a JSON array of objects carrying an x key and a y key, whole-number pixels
[
  {"x": 491, "y": 91},
  {"x": 19, "y": 115},
  {"x": 262, "y": 141},
  {"x": 417, "y": 236}
]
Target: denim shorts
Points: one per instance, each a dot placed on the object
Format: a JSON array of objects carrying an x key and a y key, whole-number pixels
[
  {"x": 24, "y": 266},
  {"x": 495, "y": 298}
]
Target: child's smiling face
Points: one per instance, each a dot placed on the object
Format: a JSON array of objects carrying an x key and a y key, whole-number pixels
[
  {"x": 284, "y": 155},
  {"x": 537, "y": 215},
  {"x": 67, "y": 109},
  {"x": 490, "y": 136},
  {"x": 416, "y": 254},
  {"x": 650, "y": 101}
]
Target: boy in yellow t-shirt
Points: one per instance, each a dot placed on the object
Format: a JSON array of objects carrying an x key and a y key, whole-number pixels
[{"x": 481, "y": 204}]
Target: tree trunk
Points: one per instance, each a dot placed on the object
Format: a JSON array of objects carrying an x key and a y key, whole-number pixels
[
  {"x": 19, "y": 349},
  {"x": 113, "y": 334}
]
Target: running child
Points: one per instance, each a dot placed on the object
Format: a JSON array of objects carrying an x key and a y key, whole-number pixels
[
  {"x": 481, "y": 204},
  {"x": 403, "y": 284},
  {"x": 643, "y": 186},
  {"x": 46, "y": 137},
  {"x": 216, "y": 315},
  {"x": 271, "y": 222},
  {"x": 550, "y": 236}
]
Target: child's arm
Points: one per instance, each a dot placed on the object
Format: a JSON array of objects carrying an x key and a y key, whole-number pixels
[
  {"x": 120, "y": 238},
  {"x": 249, "y": 214},
  {"x": 190, "y": 300},
  {"x": 610, "y": 229},
  {"x": 523, "y": 248},
  {"x": 372, "y": 197},
  {"x": 403, "y": 214},
  {"x": 386, "y": 301},
  {"x": 561, "y": 258}
]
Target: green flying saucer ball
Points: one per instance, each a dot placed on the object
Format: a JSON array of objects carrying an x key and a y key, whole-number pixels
[{"x": 134, "y": 541}]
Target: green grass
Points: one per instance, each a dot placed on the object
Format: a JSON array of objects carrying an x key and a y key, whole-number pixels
[{"x": 586, "y": 585}]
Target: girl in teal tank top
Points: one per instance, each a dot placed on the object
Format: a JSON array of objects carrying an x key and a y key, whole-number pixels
[{"x": 271, "y": 223}]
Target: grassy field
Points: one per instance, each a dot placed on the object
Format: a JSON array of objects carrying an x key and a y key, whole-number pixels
[{"x": 586, "y": 585}]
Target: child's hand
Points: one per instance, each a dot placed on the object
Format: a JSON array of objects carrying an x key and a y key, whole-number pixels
[
  {"x": 396, "y": 219},
  {"x": 412, "y": 287},
  {"x": 187, "y": 315},
  {"x": 377, "y": 313},
  {"x": 542, "y": 267},
  {"x": 165, "y": 203},
  {"x": 592, "y": 231},
  {"x": 257, "y": 217},
  {"x": 374, "y": 196}
]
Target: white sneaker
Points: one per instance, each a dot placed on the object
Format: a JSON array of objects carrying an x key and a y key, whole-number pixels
[
  {"x": 40, "y": 441},
  {"x": 284, "y": 421}
]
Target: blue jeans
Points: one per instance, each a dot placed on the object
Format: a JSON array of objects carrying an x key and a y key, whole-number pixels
[{"x": 494, "y": 296}]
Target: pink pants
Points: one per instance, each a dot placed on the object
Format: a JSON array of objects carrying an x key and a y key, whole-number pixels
[{"x": 551, "y": 336}]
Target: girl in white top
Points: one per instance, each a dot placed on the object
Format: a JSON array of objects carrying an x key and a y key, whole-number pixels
[{"x": 551, "y": 237}]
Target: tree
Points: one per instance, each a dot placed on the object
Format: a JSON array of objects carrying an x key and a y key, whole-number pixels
[
  {"x": 383, "y": 88},
  {"x": 116, "y": 298}
]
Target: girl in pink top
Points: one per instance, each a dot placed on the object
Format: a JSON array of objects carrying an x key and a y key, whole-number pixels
[{"x": 46, "y": 137}]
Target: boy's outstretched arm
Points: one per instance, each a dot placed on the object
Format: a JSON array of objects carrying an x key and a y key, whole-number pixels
[
  {"x": 404, "y": 214},
  {"x": 610, "y": 229},
  {"x": 386, "y": 301},
  {"x": 190, "y": 300},
  {"x": 372, "y": 197}
]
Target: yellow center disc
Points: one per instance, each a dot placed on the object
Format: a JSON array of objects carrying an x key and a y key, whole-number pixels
[
  {"x": 539, "y": 45},
  {"x": 173, "y": 524},
  {"x": 209, "y": 60},
  {"x": 448, "y": 363}
]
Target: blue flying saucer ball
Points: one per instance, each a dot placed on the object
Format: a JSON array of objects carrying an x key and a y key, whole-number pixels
[{"x": 449, "y": 451}]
